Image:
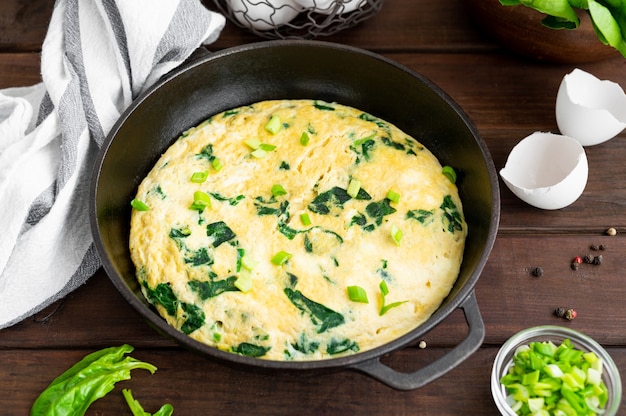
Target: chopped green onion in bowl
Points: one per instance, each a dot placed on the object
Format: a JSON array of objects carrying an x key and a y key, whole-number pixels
[{"x": 553, "y": 370}]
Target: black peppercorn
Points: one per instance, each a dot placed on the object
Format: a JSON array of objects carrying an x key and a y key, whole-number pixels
[
  {"x": 588, "y": 259},
  {"x": 597, "y": 260},
  {"x": 594, "y": 247},
  {"x": 602, "y": 247},
  {"x": 574, "y": 265},
  {"x": 537, "y": 272},
  {"x": 560, "y": 312}
]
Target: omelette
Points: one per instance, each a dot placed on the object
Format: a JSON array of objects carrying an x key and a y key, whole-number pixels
[{"x": 297, "y": 230}]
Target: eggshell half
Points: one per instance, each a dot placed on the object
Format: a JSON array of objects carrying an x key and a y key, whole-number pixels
[
  {"x": 546, "y": 170},
  {"x": 588, "y": 109},
  {"x": 264, "y": 14},
  {"x": 328, "y": 6}
]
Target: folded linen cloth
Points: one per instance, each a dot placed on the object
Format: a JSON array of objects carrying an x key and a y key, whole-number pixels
[{"x": 98, "y": 55}]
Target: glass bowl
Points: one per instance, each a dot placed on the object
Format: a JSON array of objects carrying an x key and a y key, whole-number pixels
[{"x": 556, "y": 334}]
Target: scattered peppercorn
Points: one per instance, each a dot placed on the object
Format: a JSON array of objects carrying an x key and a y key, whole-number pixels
[
  {"x": 537, "y": 272},
  {"x": 422, "y": 344},
  {"x": 574, "y": 265},
  {"x": 588, "y": 259},
  {"x": 577, "y": 259},
  {"x": 597, "y": 260},
  {"x": 611, "y": 231},
  {"x": 570, "y": 314},
  {"x": 594, "y": 247},
  {"x": 564, "y": 313},
  {"x": 602, "y": 247},
  {"x": 560, "y": 312}
]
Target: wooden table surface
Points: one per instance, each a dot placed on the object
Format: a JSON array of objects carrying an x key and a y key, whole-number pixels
[{"x": 507, "y": 97}]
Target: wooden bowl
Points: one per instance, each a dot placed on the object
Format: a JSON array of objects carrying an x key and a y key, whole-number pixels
[{"x": 519, "y": 29}]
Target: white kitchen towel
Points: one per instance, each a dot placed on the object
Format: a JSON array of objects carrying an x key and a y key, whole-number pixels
[{"x": 98, "y": 55}]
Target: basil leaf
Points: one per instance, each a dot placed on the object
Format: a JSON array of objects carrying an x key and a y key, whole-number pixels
[
  {"x": 607, "y": 28},
  {"x": 560, "y": 9},
  {"x": 608, "y": 17}
]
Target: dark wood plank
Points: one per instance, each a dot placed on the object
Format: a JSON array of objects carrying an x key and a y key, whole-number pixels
[
  {"x": 507, "y": 97},
  {"x": 190, "y": 383},
  {"x": 428, "y": 25},
  {"x": 23, "y": 24},
  {"x": 511, "y": 299},
  {"x": 19, "y": 69},
  {"x": 425, "y": 25}
]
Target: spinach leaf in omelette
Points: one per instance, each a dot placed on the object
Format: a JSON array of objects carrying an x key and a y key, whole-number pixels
[
  {"x": 163, "y": 294},
  {"x": 271, "y": 207},
  {"x": 451, "y": 215},
  {"x": 250, "y": 350},
  {"x": 324, "y": 202},
  {"x": 422, "y": 216},
  {"x": 375, "y": 210},
  {"x": 198, "y": 257},
  {"x": 321, "y": 316},
  {"x": 194, "y": 317},
  {"x": 220, "y": 232},
  {"x": 363, "y": 148},
  {"x": 231, "y": 201},
  {"x": 211, "y": 288},
  {"x": 305, "y": 345},
  {"x": 336, "y": 346}
]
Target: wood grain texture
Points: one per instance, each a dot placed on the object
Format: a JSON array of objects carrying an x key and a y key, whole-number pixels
[{"x": 507, "y": 97}]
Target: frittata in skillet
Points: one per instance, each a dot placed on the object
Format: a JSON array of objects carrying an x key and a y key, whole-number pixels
[{"x": 297, "y": 230}]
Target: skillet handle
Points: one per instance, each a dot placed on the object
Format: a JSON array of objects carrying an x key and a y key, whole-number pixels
[{"x": 436, "y": 369}]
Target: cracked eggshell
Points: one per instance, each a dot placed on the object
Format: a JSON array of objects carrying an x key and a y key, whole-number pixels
[
  {"x": 264, "y": 14},
  {"x": 328, "y": 6},
  {"x": 588, "y": 109},
  {"x": 546, "y": 170}
]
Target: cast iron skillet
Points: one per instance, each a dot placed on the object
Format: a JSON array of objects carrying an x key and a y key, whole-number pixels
[{"x": 288, "y": 69}]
